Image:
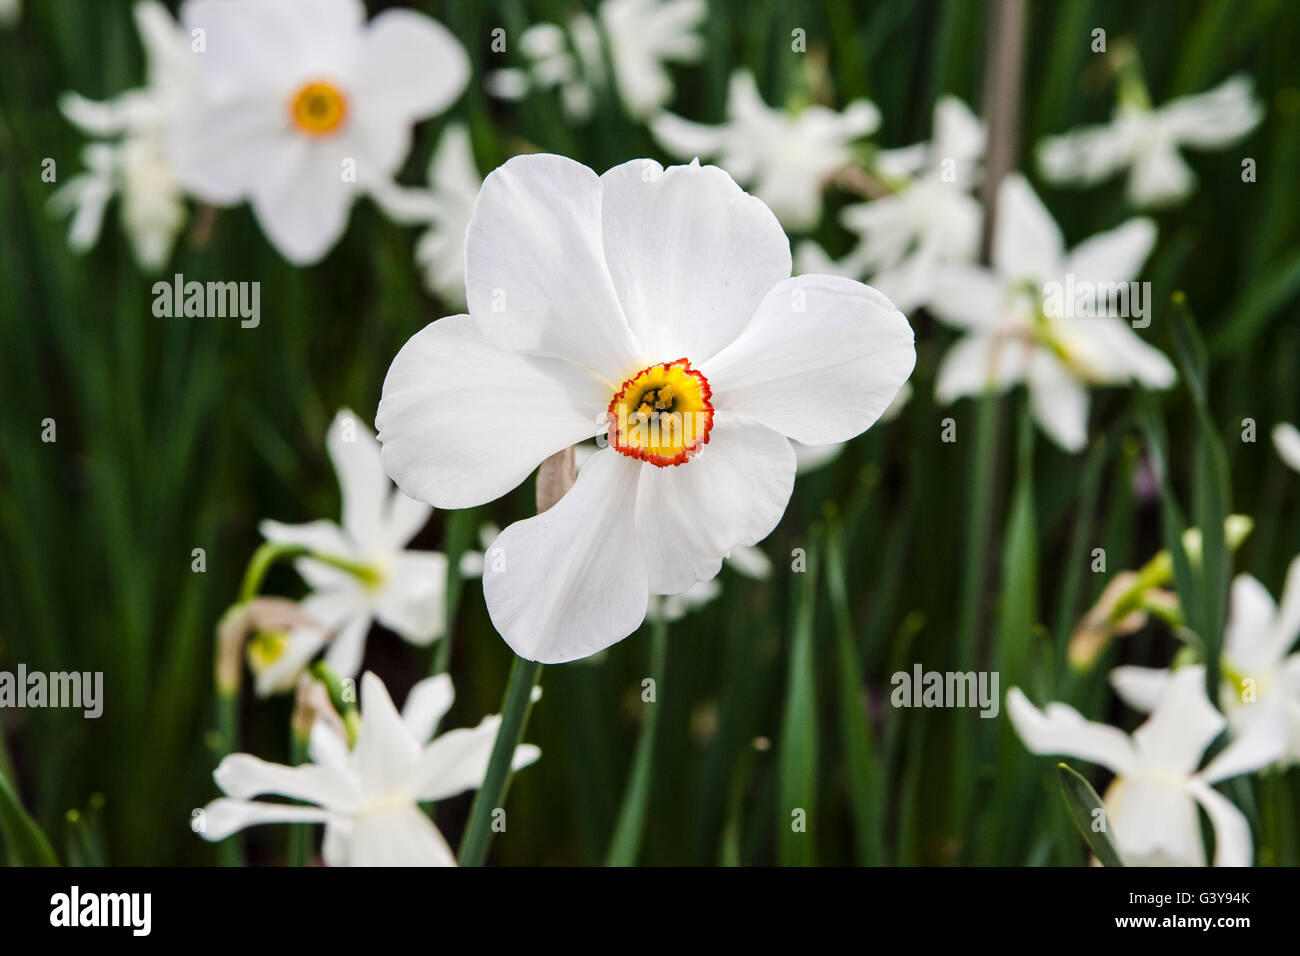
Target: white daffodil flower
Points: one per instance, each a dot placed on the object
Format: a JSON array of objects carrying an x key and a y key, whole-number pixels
[
  {"x": 1151, "y": 804},
  {"x": 785, "y": 158},
  {"x": 552, "y": 65},
  {"x": 302, "y": 106},
  {"x": 11, "y": 11},
  {"x": 1146, "y": 141},
  {"x": 368, "y": 796},
  {"x": 1260, "y": 678},
  {"x": 129, "y": 157},
  {"x": 402, "y": 590},
  {"x": 1042, "y": 316},
  {"x": 653, "y": 308},
  {"x": 1286, "y": 440},
  {"x": 932, "y": 218},
  {"x": 454, "y": 183},
  {"x": 643, "y": 35}
]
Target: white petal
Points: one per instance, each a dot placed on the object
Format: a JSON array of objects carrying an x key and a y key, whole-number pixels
[
  {"x": 1027, "y": 243},
  {"x": 348, "y": 647},
  {"x": 1139, "y": 687},
  {"x": 405, "y": 518},
  {"x": 977, "y": 362},
  {"x": 1232, "y": 842},
  {"x": 535, "y": 268},
  {"x": 457, "y": 760},
  {"x": 462, "y": 421},
  {"x": 1159, "y": 177},
  {"x": 1216, "y": 118},
  {"x": 732, "y": 493},
  {"x": 573, "y": 580},
  {"x": 386, "y": 753},
  {"x": 686, "y": 139},
  {"x": 323, "y": 537},
  {"x": 223, "y": 816},
  {"x": 750, "y": 561},
  {"x": 243, "y": 776},
  {"x": 410, "y": 64},
  {"x": 1246, "y": 637},
  {"x": 1061, "y": 729},
  {"x": 362, "y": 483},
  {"x": 1154, "y": 823},
  {"x": 426, "y": 705},
  {"x": 1113, "y": 256},
  {"x": 1181, "y": 726},
  {"x": 1086, "y": 155},
  {"x": 301, "y": 199},
  {"x": 1286, "y": 628},
  {"x": 1114, "y": 353},
  {"x": 412, "y": 601},
  {"x": 1261, "y": 742},
  {"x": 1058, "y": 401},
  {"x": 1286, "y": 440},
  {"x": 401, "y": 836},
  {"x": 966, "y": 296},
  {"x": 691, "y": 254},
  {"x": 820, "y": 361}
]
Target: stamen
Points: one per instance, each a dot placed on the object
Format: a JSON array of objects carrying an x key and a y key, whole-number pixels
[
  {"x": 319, "y": 109},
  {"x": 662, "y": 415}
]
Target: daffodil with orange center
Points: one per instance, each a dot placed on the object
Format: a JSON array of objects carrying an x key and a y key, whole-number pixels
[{"x": 654, "y": 310}]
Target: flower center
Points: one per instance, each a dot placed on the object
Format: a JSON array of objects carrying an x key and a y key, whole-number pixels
[
  {"x": 662, "y": 415},
  {"x": 319, "y": 109}
]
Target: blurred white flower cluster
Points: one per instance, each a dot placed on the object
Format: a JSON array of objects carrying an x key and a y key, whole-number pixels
[
  {"x": 628, "y": 40},
  {"x": 295, "y": 108},
  {"x": 1152, "y": 802}
]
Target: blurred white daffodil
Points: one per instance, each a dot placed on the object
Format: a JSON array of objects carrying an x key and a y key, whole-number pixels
[
  {"x": 1260, "y": 679},
  {"x": 454, "y": 182},
  {"x": 1151, "y": 804},
  {"x": 786, "y": 158},
  {"x": 129, "y": 157},
  {"x": 641, "y": 37},
  {"x": 1146, "y": 141},
  {"x": 11, "y": 11},
  {"x": 1045, "y": 317},
  {"x": 402, "y": 590},
  {"x": 551, "y": 64},
  {"x": 368, "y": 796},
  {"x": 1286, "y": 440},
  {"x": 653, "y": 308},
  {"x": 931, "y": 218},
  {"x": 302, "y": 106}
]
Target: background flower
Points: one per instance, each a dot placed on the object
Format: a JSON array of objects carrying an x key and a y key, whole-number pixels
[{"x": 299, "y": 108}]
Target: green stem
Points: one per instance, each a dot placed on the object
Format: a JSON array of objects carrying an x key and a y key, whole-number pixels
[
  {"x": 625, "y": 844},
  {"x": 979, "y": 520},
  {"x": 299, "y": 833},
  {"x": 271, "y": 551},
  {"x": 230, "y": 852},
  {"x": 514, "y": 718}
]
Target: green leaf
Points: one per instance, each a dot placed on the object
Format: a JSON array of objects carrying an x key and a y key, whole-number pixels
[
  {"x": 28, "y": 845},
  {"x": 866, "y": 786},
  {"x": 797, "y": 757},
  {"x": 1082, "y": 803}
]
